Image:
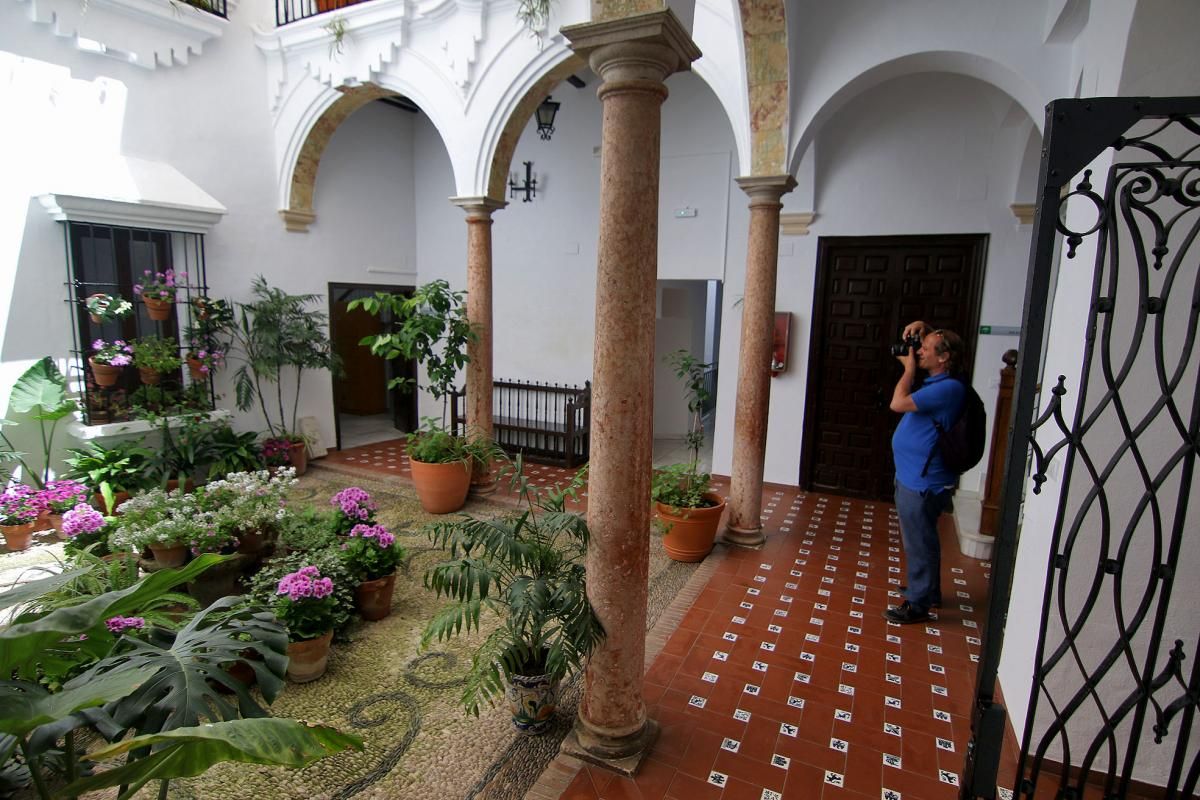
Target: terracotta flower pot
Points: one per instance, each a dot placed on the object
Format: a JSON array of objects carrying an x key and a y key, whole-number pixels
[
  {"x": 298, "y": 455},
  {"x": 172, "y": 556},
  {"x": 150, "y": 377},
  {"x": 17, "y": 537},
  {"x": 691, "y": 531},
  {"x": 251, "y": 542},
  {"x": 441, "y": 488},
  {"x": 532, "y": 700},
  {"x": 194, "y": 365},
  {"x": 158, "y": 310},
  {"x": 373, "y": 599},
  {"x": 104, "y": 374},
  {"x": 307, "y": 659},
  {"x": 42, "y": 523}
]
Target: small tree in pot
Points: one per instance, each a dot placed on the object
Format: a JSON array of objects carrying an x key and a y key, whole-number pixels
[
  {"x": 527, "y": 567},
  {"x": 431, "y": 327},
  {"x": 688, "y": 512}
]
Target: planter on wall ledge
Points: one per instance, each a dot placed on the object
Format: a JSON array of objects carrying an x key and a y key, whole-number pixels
[
  {"x": 158, "y": 310},
  {"x": 691, "y": 531},
  {"x": 441, "y": 488}
]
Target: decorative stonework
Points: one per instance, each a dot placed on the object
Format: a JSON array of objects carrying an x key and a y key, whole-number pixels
[
  {"x": 155, "y": 33},
  {"x": 1024, "y": 212},
  {"x": 796, "y": 223},
  {"x": 764, "y": 29},
  {"x": 297, "y": 221}
]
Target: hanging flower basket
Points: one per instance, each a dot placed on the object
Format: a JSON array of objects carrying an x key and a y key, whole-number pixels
[
  {"x": 158, "y": 310},
  {"x": 105, "y": 374},
  {"x": 150, "y": 377}
]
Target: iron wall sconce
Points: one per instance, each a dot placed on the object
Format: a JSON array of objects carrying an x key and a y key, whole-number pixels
[
  {"x": 528, "y": 186},
  {"x": 545, "y": 118}
]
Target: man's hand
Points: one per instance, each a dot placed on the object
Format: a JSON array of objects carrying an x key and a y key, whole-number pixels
[{"x": 918, "y": 329}]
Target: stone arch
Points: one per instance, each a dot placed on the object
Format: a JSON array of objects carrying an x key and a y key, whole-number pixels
[{"x": 970, "y": 65}]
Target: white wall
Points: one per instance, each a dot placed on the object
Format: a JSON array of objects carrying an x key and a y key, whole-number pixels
[{"x": 679, "y": 325}]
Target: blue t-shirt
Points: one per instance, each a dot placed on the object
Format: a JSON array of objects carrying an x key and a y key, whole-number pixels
[{"x": 940, "y": 397}]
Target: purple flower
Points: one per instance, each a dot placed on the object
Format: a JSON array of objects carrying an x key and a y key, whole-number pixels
[
  {"x": 305, "y": 583},
  {"x": 118, "y": 625},
  {"x": 82, "y": 519}
]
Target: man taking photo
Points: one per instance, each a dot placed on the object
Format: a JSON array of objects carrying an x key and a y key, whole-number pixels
[{"x": 923, "y": 482}]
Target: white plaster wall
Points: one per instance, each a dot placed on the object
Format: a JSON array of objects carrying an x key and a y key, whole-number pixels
[
  {"x": 185, "y": 116},
  {"x": 918, "y": 155},
  {"x": 679, "y": 325}
]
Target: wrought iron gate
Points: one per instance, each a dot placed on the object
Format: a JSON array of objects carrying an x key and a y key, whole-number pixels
[{"x": 1116, "y": 667}]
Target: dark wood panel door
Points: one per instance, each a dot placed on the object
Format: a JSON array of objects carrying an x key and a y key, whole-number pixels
[{"x": 867, "y": 289}]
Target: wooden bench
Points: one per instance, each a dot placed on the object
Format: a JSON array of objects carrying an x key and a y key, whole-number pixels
[{"x": 548, "y": 423}]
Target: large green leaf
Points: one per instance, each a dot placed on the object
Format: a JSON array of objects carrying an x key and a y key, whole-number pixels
[
  {"x": 186, "y": 752},
  {"x": 42, "y": 388},
  {"x": 24, "y": 592},
  {"x": 186, "y": 665},
  {"x": 25, "y": 646},
  {"x": 25, "y": 706}
]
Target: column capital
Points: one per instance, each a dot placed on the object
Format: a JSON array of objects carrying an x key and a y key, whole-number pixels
[
  {"x": 766, "y": 188},
  {"x": 652, "y": 45},
  {"x": 478, "y": 208}
]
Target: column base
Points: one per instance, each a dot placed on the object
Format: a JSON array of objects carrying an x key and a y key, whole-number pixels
[
  {"x": 623, "y": 756},
  {"x": 744, "y": 537}
]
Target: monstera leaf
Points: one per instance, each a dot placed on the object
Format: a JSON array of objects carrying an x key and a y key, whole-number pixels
[
  {"x": 26, "y": 646},
  {"x": 42, "y": 391},
  {"x": 25, "y": 706},
  {"x": 187, "y": 664},
  {"x": 185, "y": 752}
]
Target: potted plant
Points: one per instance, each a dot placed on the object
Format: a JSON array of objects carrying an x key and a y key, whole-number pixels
[
  {"x": 154, "y": 355},
  {"x": 207, "y": 337},
  {"x": 61, "y": 496},
  {"x": 305, "y": 604},
  {"x": 687, "y": 511},
  {"x": 40, "y": 394},
  {"x": 103, "y": 307},
  {"x": 112, "y": 473},
  {"x": 157, "y": 520},
  {"x": 157, "y": 290},
  {"x": 161, "y": 720},
  {"x": 248, "y": 506},
  {"x": 107, "y": 359},
  {"x": 20, "y": 506},
  {"x": 352, "y": 506},
  {"x": 372, "y": 555},
  {"x": 85, "y": 528},
  {"x": 431, "y": 326},
  {"x": 233, "y": 452},
  {"x": 274, "y": 333},
  {"x": 527, "y": 567}
]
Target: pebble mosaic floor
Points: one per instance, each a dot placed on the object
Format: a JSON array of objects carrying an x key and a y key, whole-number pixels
[{"x": 785, "y": 680}]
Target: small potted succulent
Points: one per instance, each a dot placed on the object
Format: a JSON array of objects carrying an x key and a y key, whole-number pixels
[
  {"x": 107, "y": 360},
  {"x": 154, "y": 355},
  {"x": 372, "y": 555},
  {"x": 306, "y": 605},
  {"x": 157, "y": 290},
  {"x": 103, "y": 307},
  {"x": 20, "y": 506}
]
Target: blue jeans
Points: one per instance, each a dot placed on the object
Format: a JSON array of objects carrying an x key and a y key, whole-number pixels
[{"x": 919, "y": 512}]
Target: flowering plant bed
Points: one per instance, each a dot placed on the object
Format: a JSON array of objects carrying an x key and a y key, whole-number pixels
[{"x": 63, "y": 495}]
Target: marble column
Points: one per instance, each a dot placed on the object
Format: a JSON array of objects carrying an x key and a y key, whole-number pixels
[
  {"x": 632, "y": 56},
  {"x": 754, "y": 361},
  {"x": 479, "y": 312}
]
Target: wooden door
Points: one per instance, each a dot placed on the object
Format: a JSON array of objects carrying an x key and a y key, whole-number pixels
[
  {"x": 362, "y": 389},
  {"x": 867, "y": 290}
]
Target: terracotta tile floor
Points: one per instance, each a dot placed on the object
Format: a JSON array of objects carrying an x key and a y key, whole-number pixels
[{"x": 784, "y": 679}]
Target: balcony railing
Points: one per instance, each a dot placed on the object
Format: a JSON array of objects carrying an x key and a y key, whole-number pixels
[
  {"x": 291, "y": 10},
  {"x": 215, "y": 7}
]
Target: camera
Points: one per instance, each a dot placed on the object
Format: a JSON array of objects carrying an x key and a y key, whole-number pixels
[{"x": 901, "y": 347}]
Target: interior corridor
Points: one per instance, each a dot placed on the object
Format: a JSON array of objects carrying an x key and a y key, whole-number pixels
[{"x": 783, "y": 679}]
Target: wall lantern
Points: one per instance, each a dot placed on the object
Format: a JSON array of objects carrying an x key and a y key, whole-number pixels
[
  {"x": 528, "y": 186},
  {"x": 545, "y": 118}
]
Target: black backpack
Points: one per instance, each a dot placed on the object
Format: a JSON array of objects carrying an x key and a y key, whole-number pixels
[{"x": 961, "y": 447}]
